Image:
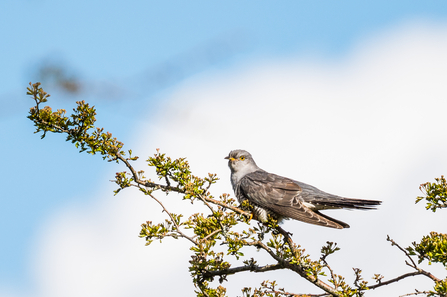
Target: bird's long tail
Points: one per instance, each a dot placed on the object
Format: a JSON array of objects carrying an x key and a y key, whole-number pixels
[{"x": 350, "y": 203}]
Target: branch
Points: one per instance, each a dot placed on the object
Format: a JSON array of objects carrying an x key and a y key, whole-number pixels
[
  {"x": 253, "y": 268},
  {"x": 145, "y": 183},
  {"x": 176, "y": 189},
  {"x": 299, "y": 269},
  {"x": 322, "y": 285},
  {"x": 223, "y": 204},
  {"x": 330, "y": 270},
  {"x": 394, "y": 280}
]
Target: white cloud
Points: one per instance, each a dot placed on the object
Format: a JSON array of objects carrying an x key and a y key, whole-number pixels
[{"x": 370, "y": 126}]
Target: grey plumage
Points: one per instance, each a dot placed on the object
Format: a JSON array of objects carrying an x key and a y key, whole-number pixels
[{"x": 284, "y": 197}]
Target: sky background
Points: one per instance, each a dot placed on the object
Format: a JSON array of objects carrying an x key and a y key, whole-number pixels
[{"x": 347, "y": 96}]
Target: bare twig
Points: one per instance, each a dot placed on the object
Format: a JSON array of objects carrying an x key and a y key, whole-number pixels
[
  {"x": 403, "y": 250},
  {"x": 401, "y": 277},
  {"x": 206, "y": 203},
  {"x": 413, "y": 265},
  {"x": 296, "y": 295},
  {"x": 416, "y": 293},
  {"x": 330, "y": 270}
]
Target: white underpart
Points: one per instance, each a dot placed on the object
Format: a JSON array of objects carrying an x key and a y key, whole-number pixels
[{"x": 240, "y": 170}]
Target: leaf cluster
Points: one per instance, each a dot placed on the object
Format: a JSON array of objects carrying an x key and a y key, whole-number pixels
[
  {"x": 435, "y": 194},
  {"x": 77, "y": 126},
  {"x": 432, "y": 248}
]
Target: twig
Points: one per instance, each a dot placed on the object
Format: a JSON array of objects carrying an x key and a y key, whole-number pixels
[
  {"x": 222, "y": 228},
  {"x": 206, "y": 203},
  {"x": 173, "y": 221},
  {"x": 416, "y": 293},
  {"x": 145, "y": 183},
  {"x": 296, "y": 295},
  {"x": 394, "y": 280},
  {"x": 167, "y": 181},
  {"x": 223, "y": 204},
  {"x": 269, "y": 288},
  {"x": 260, "y": 244},
  {"x": 289, "y": 240},
  {"x": 211, "y": 234},
  {"x": 413, "y": 265},
  {"x": 330, "y": 270},
  {"x": 403, "y": 250}
]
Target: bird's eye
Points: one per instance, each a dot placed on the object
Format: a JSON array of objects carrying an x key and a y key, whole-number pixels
[{"x": 242, "y": 158}]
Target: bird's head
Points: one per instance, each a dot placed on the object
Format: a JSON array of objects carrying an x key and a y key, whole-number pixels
[{"x": 241, "y": 161}]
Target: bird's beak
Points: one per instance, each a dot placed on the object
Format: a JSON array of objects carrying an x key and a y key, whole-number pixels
[{"x": 229, "y": 158}]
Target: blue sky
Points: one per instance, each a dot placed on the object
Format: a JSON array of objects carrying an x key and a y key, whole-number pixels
[{"x": 126, "y": 45}]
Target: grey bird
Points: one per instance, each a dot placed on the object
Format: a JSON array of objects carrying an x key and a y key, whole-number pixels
[{"x": 283, "y": 197}]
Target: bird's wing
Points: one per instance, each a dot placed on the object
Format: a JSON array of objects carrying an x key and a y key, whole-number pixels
[{"x": 282, "y": 196}]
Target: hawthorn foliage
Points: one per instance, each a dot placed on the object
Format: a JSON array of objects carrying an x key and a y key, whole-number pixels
[
  {"x": 434, "y": 193},
  {"x": 228, "y": 224}
]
